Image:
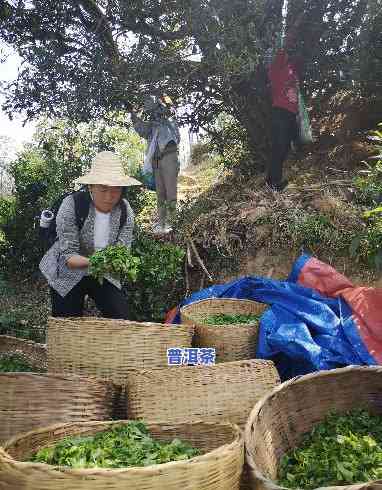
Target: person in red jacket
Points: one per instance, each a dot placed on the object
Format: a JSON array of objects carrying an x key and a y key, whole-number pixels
[{"x": 284, "y": 75}]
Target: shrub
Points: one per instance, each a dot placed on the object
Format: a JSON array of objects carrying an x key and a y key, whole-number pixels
[
  {"x": 367, "y": 245},
  {"x": 369, "y": 185},
  {"x": 199, "y": 153},
  {"x": 159, "y": 283}
]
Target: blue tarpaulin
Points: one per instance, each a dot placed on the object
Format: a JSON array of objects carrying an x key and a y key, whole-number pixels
[{"x": 301, "y": 331}]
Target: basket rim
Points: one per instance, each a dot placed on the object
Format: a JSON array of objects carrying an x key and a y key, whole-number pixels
[
  {"x": 249, "y": 326},
  {"x": 123, "y": 324},
  {"x": 218, "y": 366},
  {"x": 228, "y": 300},
  {"x": 238, "y": 440},
  {"x": 56, "y": 376},
  {"x": 33, "y": 353},
  {"x": 22, "y": 341},
  {"x": 250, "y": 431}
]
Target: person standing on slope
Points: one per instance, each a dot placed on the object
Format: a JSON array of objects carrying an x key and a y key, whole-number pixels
[
  {"x": 162, "y": 134},
  {"x": 284, "y": 75}
]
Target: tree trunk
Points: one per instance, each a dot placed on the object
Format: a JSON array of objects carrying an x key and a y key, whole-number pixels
[{"x": 253, "y": 110}]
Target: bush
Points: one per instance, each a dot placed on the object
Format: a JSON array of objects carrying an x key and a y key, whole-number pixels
[
  {"x": 230, "y": 142},
  {"x": 311, "y": 231},
  {"x": 19, "y": 323},
  {"x": 367, "y": 245},
  {"x": 159, "y": 284},
  {"x": 369, "y": 186},
  {"x": 199, "y": 153},
  {"x": 143, "y": 203},
  {"x": 7, "y": 209},
  {"x": 23, "y": 309},
  {"x": 368, "y": 189}
]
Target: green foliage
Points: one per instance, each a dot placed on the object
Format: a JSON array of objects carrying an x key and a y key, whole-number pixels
[
  {"x": 369, "y": 188},
  {"x": 229, "y": 140},
  {"x": 23, "y": 310},
  {"x": 100, "y": 70},
  {"x": 370, "y": 50},
  {"x": 20, "y": 322},
  {"x": 116, "y": 261},
  {"x": 122, "y": 446},
  {"x": 311, "y": 231},
  {"x": 159, "y": 283},
  {"x": 7, "y": 209},
  {"x": 341, "y": 450},
  {"x": 14, "y": 363},
  {"x": 200, "y": 152},
  {"x": 151, "y": 272},
  {"x": 4, "y": 288},
  {"x": 224, "y": 319},
  {"x": 23, "y": 314},
  {"x": 367, "y": 244},
  {"x": 143, "y": 203},
  {"x": 369, "y": 184}
]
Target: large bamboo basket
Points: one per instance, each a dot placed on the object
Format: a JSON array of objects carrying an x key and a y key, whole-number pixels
[
  {"x": 232, "y": 342},
  {"x": 29, "y": 401},
  {"x": 34, "y": 354},
  {"x": 279, "y": 421},
  {"x": 109, "y": 349},
  {"x": 223, "y": 392},
  {"x": 219, "y": 468}
]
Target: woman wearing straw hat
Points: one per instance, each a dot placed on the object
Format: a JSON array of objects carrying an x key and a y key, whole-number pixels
[{"x": 65, "y": 265}]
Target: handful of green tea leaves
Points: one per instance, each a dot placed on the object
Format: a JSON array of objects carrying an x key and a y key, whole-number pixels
[
  {"x": 341, "y": 450},
  {"x": 223, "y": 319},
  {"x": 13, "y": 363},
  {"x": 122, "y": 446},
  {"x": 116, "y": 261}
]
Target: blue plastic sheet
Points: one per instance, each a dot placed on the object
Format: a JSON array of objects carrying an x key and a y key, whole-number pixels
[{"x": 301, "y": 331}]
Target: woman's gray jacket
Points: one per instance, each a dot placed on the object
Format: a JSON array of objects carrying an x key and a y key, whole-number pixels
[{"x": 73, "y": 242}]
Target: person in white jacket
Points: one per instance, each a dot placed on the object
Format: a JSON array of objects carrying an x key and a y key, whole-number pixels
[{"x": 162, "y": 134}]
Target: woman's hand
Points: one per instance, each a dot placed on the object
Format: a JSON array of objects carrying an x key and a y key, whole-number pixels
[{"x": 77, "y": 262}]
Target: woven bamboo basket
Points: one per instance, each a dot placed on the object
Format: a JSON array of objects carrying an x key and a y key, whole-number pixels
[
  {"x": 109, "y": 349},
  {"x": 29, "y": 401},
  {"x": 226, "y": 391},
  {"x": 34, "y": 354},
  {"x": 219, "y": 468},
  {"x": 279, "y": 421},
  {"x": 232, "y": 342}
]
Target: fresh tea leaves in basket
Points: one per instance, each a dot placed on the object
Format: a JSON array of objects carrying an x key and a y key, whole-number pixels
[
  {"x": 341, "y": 450},
  {"x": 123, "y": 446},
  {"x": 13, "y": 363},
  {"x": 116, "y": 261},
  {"x": 224, "y": 319}
]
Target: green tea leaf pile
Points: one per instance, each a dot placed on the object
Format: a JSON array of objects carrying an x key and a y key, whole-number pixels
[
  {"x": 122, "y": 446},
  {"x": 13, "y": 363},
  {"x": 116, "y": 261},
  {"x": 224, "y": 319},
  {"x": 341, "y": 450}
]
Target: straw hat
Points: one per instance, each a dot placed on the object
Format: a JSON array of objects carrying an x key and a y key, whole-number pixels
[{"x": 107, "y": 169}]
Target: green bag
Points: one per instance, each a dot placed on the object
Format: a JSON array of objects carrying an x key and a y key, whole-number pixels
[{"x": 305, "y": 130}]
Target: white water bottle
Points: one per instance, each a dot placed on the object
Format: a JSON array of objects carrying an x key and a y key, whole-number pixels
[{"x": 46, "y": 218}]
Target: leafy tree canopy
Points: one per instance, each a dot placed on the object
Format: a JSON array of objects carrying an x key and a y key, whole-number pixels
[{"x": 83, "y": 59}]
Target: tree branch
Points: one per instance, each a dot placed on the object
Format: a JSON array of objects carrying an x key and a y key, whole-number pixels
[{"x": 100, "y": 26}]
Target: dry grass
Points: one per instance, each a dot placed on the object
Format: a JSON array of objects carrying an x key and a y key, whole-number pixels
[{"x": 237, "y": 220}]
